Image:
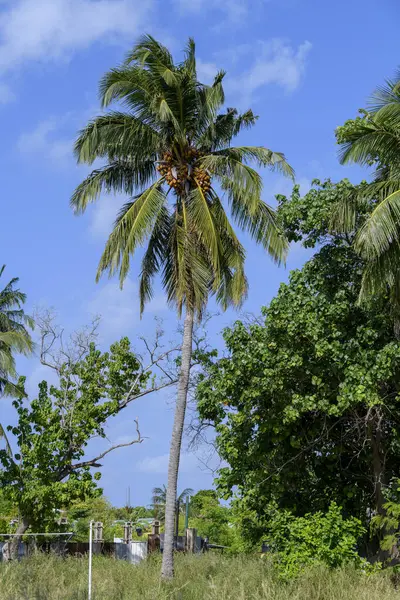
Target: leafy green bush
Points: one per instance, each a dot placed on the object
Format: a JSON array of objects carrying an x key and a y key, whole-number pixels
[{"x": 325, "y": 538}]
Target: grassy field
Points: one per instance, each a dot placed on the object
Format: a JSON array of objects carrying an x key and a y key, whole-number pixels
[{"x": 205, "y": 577}]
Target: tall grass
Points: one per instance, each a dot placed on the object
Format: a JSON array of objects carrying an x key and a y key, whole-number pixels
[{"x": 204, "y": 577}]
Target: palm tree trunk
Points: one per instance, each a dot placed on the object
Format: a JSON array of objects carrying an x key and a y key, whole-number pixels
[{"x": 167, "y": 571}]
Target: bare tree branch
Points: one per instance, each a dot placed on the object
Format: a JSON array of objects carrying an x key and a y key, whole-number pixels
[
  {"x": 94, "y": 461},
  {"x": 54, "y": 351}
]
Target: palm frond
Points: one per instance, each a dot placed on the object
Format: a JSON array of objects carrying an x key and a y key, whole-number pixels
[
  {"x": 190, "y": 58},
  {"x": 263, "y": 157},
  {"x": 3, "y": 436},
  {"x": 186, "y": 492},
  {"x": 154, "y": 256},
  {"x": 202, "y": 221},
  {"x": 187, "y": 275},
  {"x": 263, "y": 228},
  {"x": 348, "y": 208},
  {"x": 117, "y": 135},
  {"x": 134, "y": 223},
  {"x": 16, "y": 341},
  {"x": 220, "y": 132},
  {"x": 14, "y": 334},
  {"x": 386, "y": 96},
  {"x": 381, "y": 276},
  {"x": 118, "y": 177},
  {"x": 149, "y": 52},
  {"x": 237, "y": 178},
  {"x": 381, "y": 229}
]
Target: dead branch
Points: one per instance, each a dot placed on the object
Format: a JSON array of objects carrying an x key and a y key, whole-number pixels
[{"x": 94, "y": 462}]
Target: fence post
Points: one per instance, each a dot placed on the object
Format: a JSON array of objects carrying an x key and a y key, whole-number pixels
[
  {"x": 153, "y": 539},
  {"x": 177, "y": 508},
  {"x": 98, "y": 531},
  {"x": 156, "y": 528},
  {"x": 90, "y": 560},
  {"x": 191, "y": 534},
  {"x": 187, "y": 513},
  {"x": 127, "y": 532}
]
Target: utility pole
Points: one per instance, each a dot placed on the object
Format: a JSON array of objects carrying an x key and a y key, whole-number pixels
[{"x": 187, "y": 512}]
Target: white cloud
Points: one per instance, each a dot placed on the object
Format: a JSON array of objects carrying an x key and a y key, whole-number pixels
[
  {"x": 42, "y": 142},
  {"x": 277, "y": 63},
  {"x": 103, "y": 216},
  {"x": 54, "y": 30},
  {"x": 46, "y": 30},
  {"x": 119, "y": 309},
  {"x": 159, "y": 464},
  {"x": 235, "y": 10},
  {"x": 206, "y": 71}
]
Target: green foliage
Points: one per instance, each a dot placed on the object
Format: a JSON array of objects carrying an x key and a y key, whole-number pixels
[
  {"x": 93, "y": 509},
  {"x": 387, "y": 524},
  {"x": 14, "y": 335},
  {"x": 305, "y": 403},
  {"x": 7, "y": 512},
  {"x": 314, "y": 218},
  {"x": 159, "y": 501},
  {"x": 211, "y": 519},
  {"x": 325, "y": 538},
  {"x": 174, "y": 141},
  {"x": 373, "y": 139},
  {"x": 46, "y": 471}
]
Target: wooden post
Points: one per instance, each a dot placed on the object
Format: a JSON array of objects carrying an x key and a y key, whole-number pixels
[
  {"x": 153, "y": 540},
  {"x": 191, "y": 534},
  {"x": 97, "y": 537},
  {"x": 156, "y": 528},
  {"x": 177, "y": 523},
  {"x": 98, "y": 531},
  {"x": 153, "y": 543},
  {"x": 127, "y": 532}
]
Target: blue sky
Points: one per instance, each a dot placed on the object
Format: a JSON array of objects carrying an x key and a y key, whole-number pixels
[{"x": 304, "y": 66}]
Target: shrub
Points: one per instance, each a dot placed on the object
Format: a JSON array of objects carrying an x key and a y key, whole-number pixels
[{"x": 325, "y": 538}]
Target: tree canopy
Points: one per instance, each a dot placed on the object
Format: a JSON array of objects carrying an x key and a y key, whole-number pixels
[
  {"x": 14, "y": 333},
  {"x": 305, "y": 403},
  {"x": 47, "y": 469},
  {"x": 169, "y": 150}
]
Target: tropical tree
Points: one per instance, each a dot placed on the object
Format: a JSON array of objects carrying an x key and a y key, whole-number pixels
[
  {"x": 373, "y": 139},
  {"x": 170, "y": 149},
  {"x": 14, "y": 334},
  {"x": 305, "y": 404},
  {"x": 160, "y": 500},
  {"x": 14, "y": 337},
  {"x": 46, "y": 470}
]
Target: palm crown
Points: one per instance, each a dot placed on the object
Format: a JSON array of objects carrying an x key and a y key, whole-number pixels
[
  {"x": 160, "y": 499},
  {"x": 171, "y": 152},
  {"x": 14, "y": 335},
  {"x": 374, "y": 140}
]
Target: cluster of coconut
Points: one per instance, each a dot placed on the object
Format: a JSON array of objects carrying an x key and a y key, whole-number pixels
[{"x": 183, "y": 174}]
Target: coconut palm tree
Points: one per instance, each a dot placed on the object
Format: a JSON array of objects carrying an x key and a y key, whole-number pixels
[
  {"x": 14, "y": 337},
  {"x": 373, "y": 139},
  {"x": 170, "y": 149},
  {"x": 160, "y": 500},
  {"x": 14, "y": 334}
]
